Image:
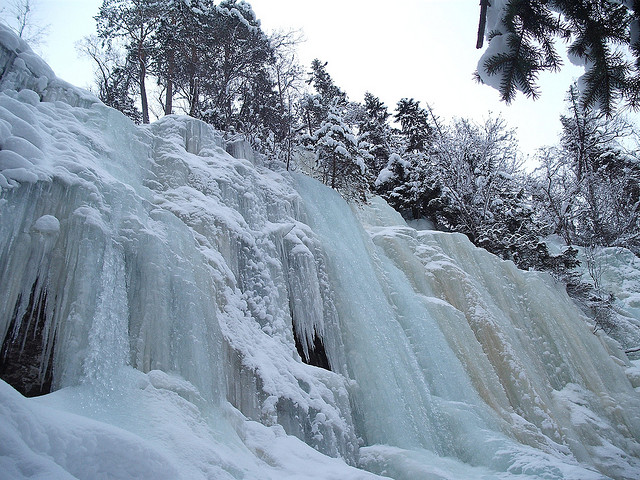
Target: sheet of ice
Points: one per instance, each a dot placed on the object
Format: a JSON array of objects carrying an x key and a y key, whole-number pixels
[{"x": 472, "y": 333}]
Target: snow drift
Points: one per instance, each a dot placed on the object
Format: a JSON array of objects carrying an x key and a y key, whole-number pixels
[{"x": 163, "y": 293}]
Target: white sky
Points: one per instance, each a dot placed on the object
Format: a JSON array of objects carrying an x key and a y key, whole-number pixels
[{"x": 424, "y": 49}]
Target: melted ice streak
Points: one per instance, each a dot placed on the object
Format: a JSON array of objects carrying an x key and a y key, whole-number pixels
[{"x": 173, "y": 274}]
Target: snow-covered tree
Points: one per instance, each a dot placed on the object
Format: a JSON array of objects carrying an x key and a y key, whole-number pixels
[
  {"x": 324, "y": 84},
  {"x": 477, "y": 167},
  {"x": 316, "y": 106},
  {"x": 467, "y": 179},
  {"x": 405, "y": 183},
  {"x": 374, "y": 127},
  {"x": 588, "y": 185},
  {"x": 134, "y": 22},
  {"x": 414, "y": 121},
  {"x": 212, "y": 61},
  {"x": 242, "y": 51},
  {"x": 115, "y": 76},
  {"x": 340, "y": 158}
]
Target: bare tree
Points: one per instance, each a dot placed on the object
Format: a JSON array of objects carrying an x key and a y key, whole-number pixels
[
  {"x": 21, "y": 16},
  {"x": 288, "y": 77},
  {"x": 115, "y": 75}
]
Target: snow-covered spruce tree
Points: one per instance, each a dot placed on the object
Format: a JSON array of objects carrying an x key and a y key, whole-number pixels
[
  {"x": 340, "y": 154},
  {"x": 374, "y": 128},
  {"x": 397, "y": 184},
  {"x": 340, "y": 158},
  {"x": 408, "y": 181},
  {"x": 602, "y": 35},
  {"x": 316, "y": 106},
  {"x": 414, "y": 121},
  {"x": 324, "y": 85}
]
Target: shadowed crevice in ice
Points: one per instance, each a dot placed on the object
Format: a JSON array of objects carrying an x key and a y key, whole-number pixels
[
  {"x": 315, "y": 353},
  {"x": 26, "y": 358}
]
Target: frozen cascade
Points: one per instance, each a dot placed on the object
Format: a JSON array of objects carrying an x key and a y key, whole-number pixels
[{"x": 165, "y": 287}]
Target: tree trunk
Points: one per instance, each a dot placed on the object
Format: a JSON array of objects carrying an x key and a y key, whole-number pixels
[
  {"x": 141, "y": 80},
  {"x": 143, "y": 93},
  {"x": 193, "y": 83},
  {"x": 193, "y": 93},
  {"x": 333, "y": 173},
  {"x": 484, "y": 4},
  {"x": 168, "y": 102}
]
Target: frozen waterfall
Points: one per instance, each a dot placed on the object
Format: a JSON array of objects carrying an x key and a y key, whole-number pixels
[{"x": 178, "y": 310}]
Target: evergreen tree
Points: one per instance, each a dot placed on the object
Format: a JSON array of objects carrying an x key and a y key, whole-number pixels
[
  {"x": 242, "y": 51},
  {"x": 316, "y": 107},
  {"x": 602, "y": 34},
  {"x": 211, "y": 59},
  {"x": 259, "y": 113},
  {"x": 340, "y": 158},
  {"x": 374, "y": 128},
  {"x": 172, "y": 46},
  {"x": 134, "y": 22},
  {"x": 405, "y": 184},
  {"x": 414, "y": 121},
  {"x": 324, "y": 85},
  {"x": 116, "y": 89}
]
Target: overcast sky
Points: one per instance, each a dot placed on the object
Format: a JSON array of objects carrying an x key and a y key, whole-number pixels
[{"x": 423, "y": 49}]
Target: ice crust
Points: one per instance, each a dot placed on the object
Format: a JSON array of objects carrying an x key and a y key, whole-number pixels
[{"x": 171, "y": 273}]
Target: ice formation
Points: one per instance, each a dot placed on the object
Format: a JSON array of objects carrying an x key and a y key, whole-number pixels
[{"x": 165, "y": 286}]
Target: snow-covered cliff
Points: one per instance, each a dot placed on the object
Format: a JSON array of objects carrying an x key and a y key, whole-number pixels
[{"x": 166, "y": 292}]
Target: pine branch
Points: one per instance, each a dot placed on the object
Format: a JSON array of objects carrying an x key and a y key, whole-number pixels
[{"x": 603, "y": 34}]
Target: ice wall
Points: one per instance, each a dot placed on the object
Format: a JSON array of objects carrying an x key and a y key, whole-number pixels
[{"x": 166, "y": 292}]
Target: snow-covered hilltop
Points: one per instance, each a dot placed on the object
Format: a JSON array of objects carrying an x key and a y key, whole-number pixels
[{"x": 165, "y": 292}]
